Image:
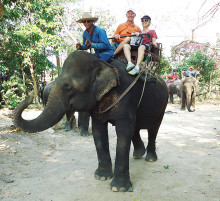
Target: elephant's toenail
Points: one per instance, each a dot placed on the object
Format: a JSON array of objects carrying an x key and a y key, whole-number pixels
[
  {"x": 122, "y": 189},
  {"x": 114, "y": 189},
  {"x": 130, "y": 189}
]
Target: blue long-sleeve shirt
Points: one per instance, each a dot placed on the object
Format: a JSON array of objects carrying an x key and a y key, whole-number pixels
[
  {"x": 190, "y": 73},
  {"x": 99, "y": 41}
]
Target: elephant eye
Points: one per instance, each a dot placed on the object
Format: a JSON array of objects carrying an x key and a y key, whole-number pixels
[{"x": 67, "y": 87}]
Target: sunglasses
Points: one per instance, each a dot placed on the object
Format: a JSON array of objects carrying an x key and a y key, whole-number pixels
[
  {"x": 88, "y": 21},
  {"x": 144, "y": 20}
]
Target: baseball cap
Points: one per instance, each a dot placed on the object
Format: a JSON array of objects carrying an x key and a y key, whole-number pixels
[
  {"x": 146, "y": 17},
  {"x": 131, "y": 9}
]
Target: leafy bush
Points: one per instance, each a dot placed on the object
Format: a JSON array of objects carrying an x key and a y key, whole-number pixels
[
  {"x": 203, "y": 63},
  {"x": 165, "y": 67},
  {"x": 205, "y": 59},
  {"x": 13, "y": 91}
]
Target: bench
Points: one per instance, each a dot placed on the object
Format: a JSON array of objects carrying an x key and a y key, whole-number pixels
[{"x": 155, "y": 56}]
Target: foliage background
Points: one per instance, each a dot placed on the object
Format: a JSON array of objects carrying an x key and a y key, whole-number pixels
[{"x": 32, "y": 32}]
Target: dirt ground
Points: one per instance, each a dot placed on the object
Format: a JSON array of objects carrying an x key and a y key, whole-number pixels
[{"x": 59, "y": 166}]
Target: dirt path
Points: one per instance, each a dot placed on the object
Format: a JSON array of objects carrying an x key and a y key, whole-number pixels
[{"x": 59, "y": 165}]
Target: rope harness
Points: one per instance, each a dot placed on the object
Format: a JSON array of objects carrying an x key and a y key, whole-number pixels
[{"x": 146, "y": 60}]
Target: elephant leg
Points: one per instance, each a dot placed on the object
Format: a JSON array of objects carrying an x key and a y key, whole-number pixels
[
  {"x": 192, "y": 104},
  {"x": 68, "y": 125},
  {"x": 70, "y": 118},
  {"x": 100, "y": 135},
  {"x": 121, "y": 179},
  {"x": 183, "y": 101},
  {"x": 139, "y": 148},
  {"x": 83, "y": 123},
  {"x": 151, "y": 147},
  {"x": 171, "y": 98},
  {"x": 79, "y": 119}
]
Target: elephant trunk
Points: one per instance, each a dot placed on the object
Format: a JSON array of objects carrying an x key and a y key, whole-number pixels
[
  {"x": 188, "y": 106},
  {"x": 49, "y": 117},
  {"x": 189, "y": 101}
]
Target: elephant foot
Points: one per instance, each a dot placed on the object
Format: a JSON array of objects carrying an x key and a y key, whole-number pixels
[
  {"x": 121, "y": 185},
  {"x": 68, "y": 126},
  {"x": 182, "y": 108},
  {"x": 151, "y": 156},
  {"x": 139, "y": 152},
  {"x": 84, "y": 132},
  {"x": 103, "y": 174}
]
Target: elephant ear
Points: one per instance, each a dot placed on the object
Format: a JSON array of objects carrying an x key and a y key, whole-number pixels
[{"x": 106, "y": 77}]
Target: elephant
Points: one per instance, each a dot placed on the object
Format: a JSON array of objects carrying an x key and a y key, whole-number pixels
[
  {"x": 173, "y": 88},
  {"x": 83, "y": 117},
  {"x": 40, "y": 90},
  {"x": 83, "y": 123},
  {"x": 95, "y": 86},
  {"x": 45, "y": 92},
  {"x": 188, "y": 90}
]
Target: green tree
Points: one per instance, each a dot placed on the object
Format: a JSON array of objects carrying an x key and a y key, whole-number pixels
[
  {"x": 28, "y": 34},
  {"x": 165, "y": 67},
  {"x": 73, "y": 31},
  {"x": 13, "y": 90},
  {"x": 203, "y": 57},
  {"x": 206, "y": 67}
]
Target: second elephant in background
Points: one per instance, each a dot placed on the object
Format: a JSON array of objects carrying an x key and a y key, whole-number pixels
[
  {"x": 173, "y": 88},
  {"x": 83, "y": 117},
  {"x": 188, "y": 88}
]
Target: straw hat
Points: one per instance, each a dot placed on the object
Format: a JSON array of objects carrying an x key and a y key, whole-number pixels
[
  {"x": 191, "y": 68},
  {"x": 87, "y": 16}
]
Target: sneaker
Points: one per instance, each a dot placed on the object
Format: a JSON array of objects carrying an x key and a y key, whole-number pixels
[
  {"x": 135, "y": 70},
  {"x": 130, "y": 66}
]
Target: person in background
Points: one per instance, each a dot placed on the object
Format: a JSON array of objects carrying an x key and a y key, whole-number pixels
[
  {"x": 173, "y": 75},
  {"x": 125, "y": 29},
  {"x": 145, "y": 45},
  {"x": 190, "y": 72},
  {"x": 95, "y": 37}
]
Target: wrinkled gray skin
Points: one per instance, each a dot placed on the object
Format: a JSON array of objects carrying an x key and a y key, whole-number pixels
[
  {"x": 83, "y": 117},
  {"x": 188, "y": 89},
  {"x": 89, "y": 84},
  {"x": 174, "y": 88}
]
